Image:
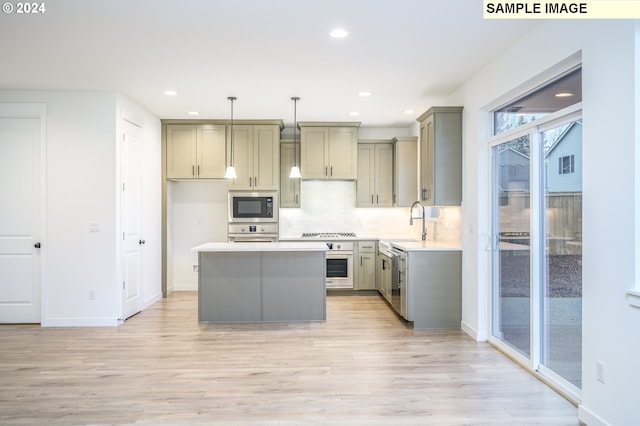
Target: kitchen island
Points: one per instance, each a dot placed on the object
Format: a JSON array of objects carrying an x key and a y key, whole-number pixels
[{"x": 261, "y": 282}]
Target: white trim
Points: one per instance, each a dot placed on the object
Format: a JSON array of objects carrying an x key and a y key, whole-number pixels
[
  {"x": 151, "y": 301},
  {"x": 633, "y": 297},
  {"x": 469, "y": 330},
  {"x": 554, "y": 73},
  {"x": 587, "y": 416},
  {"x": 82, "y": 322},
  {"x": 560, "y": 384}
]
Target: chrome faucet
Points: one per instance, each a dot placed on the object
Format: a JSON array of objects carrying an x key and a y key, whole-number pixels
[{"x": 424, "y": 230}]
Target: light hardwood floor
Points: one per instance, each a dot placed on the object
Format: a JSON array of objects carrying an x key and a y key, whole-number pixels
[{"x": 363, "y": 366}]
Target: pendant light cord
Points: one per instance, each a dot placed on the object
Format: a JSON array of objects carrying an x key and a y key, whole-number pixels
[
  {"x": 295, "y": 100},
  {"x": 231, "y": 98}
]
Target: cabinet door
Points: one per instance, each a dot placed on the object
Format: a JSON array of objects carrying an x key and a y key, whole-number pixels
[
  {"x": 181, "y": 151},
  {"x": 266, "y": 157},
  {"x": 405, "y": 179},
  {"x": 343, "y": 153},
  {"x": 211, "y": 151},
  {"x": 314, "y": 152},
  {"x": 367, "y": 275},
  {"x": 242, "y": 157},
  {"x": 365, "y": 191},
  {"x": 427, "y": 133},
  {"x": 383, "y": 176},
  {"x": 289, "y": 188}
]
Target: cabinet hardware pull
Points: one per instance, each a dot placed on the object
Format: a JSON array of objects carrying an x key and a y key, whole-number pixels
[
  {"x": 37, "y": 245},
  {"x": 377, "y": 202},
  {"x": 371, "y": 198},
  {"x": 331, "y": 170},
  {"x": 198, "y": 170},
  {"x": 193, "y": 171},
  {"x": 325, "y": 170}
]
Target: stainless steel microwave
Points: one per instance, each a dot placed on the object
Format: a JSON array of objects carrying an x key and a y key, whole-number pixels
[{"x": 247, "y": 206}]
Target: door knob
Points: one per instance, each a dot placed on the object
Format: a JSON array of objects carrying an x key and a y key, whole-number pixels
[
  {"x": 37, "y": 245},
  {"x": 141, "y": 242}
]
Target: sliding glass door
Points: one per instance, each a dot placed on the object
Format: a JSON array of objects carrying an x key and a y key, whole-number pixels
[
  {"x": 537, "y": 247},
  {"x": 512, "y": 255},
  {"x": 536, "y": 230},
  {"x": 561, "y": 314}
]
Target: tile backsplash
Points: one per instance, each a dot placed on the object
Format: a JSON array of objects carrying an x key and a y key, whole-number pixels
[{"x": 329, "y": 206}]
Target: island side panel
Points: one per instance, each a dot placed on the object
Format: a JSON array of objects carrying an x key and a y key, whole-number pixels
[
  {"x": 229, "y": 287},
  {"x": 436, "y": 289},
  {"x": 293, "y": 286}
]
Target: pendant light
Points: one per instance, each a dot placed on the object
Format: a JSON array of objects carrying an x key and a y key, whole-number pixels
[
  {"x": 295, "y": 170},
  {"x": 231, "y": 171}
]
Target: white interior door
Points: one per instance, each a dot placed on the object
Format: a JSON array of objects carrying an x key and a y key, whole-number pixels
[
  {"x": 20, "y": 213},
  {"x": 132, "y": 239}
]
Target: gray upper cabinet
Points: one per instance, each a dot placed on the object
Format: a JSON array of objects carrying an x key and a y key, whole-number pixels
[
  {"x": 329, "y": 150},
  {"x": 405, "y": 180},
  {"x": 441, "y": 156},
  {"x": 375, "y": 175},
  {"x": 195, "y": 151}
]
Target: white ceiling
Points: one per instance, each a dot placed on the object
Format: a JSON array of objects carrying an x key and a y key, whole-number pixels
[{"x": 410, "y": 53}]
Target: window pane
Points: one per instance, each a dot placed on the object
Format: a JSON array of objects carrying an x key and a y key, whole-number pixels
[
  {"x": 553, "y": 97},
  {"x": 562, "y": 291},
  {"x": 511, "y": 260}
]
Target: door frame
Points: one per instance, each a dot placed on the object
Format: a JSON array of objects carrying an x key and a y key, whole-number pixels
[{"x": 39, "y": 112}]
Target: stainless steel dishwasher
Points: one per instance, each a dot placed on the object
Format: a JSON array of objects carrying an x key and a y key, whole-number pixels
[{"x": 398, "y": 280}]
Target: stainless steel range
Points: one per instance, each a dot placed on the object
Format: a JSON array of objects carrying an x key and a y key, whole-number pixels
[{"x": 339, "y": 257}]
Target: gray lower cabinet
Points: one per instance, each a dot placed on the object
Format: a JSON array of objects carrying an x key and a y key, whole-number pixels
[
  {"x": 434, "y": 289},
  {"x": 365, "y": 261},
  {"x": 261, "y": 286},
  {"x": 229, "y": 287},
  {"x": 297, "y": 295}
]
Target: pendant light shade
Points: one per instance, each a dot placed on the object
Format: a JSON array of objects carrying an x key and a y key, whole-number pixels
[
  {"x": 230, "y": 173},
  {"x": 295, "y": 170}
]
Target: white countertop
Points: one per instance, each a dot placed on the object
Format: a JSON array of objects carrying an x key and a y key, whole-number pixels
[
  {"x": 424, "y": 245},
  {"x": 249, "y": 247}
]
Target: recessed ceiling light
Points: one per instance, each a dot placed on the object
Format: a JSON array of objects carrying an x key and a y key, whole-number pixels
[
  {"x": 339, "y": 33},
  {"x": 365, "y": 93},
  {"x": 354, "y": 113},
  {"x": 409, "y": 111},
  {"x": 170, "y": 92},
  {"x": 564, "y": 95},
  {"x": 193, "y": 113}
]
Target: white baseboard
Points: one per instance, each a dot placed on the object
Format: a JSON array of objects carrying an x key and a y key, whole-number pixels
[
  {"x": 80, "y": 322},
  {"x": 589, "y": 417},
  {"x": 185, "y": 287},
  {"x": 151, "y": 301},
  {"x": 469, "y": 330}
]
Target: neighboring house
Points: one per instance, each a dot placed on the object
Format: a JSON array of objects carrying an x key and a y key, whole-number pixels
[
  {"x": 564, "y": 161},
  {"x": 514, "y": 170}
]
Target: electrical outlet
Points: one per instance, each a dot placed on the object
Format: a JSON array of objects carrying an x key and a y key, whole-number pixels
[
  {"x": 195, "y": 268},
  {"x": 600, "y": 372}
]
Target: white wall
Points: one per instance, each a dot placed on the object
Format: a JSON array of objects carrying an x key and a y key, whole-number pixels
[
  {"x": 611, "y": 327},
  {"x": 81, "y": 182},
  {"x": 198, "y": 215}
]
